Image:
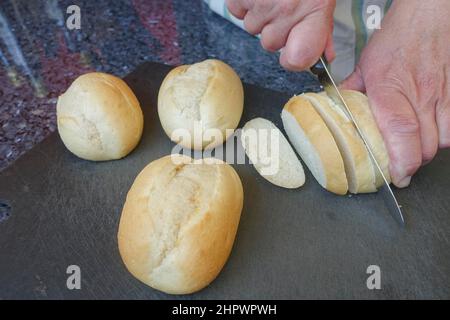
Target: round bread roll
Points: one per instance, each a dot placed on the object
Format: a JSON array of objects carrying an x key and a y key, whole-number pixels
[
  {"x": 99, "y": 117},
  {"x": 198, "y": 103},
  {"x": 179, "y": 222}
]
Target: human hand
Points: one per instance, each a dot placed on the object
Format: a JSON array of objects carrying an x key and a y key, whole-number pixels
[
  {"x": 405, "y": 71},
  {"x": 301, "y": 28}
]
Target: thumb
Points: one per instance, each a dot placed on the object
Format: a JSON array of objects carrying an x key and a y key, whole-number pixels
[{"x": 354, "y": 81}]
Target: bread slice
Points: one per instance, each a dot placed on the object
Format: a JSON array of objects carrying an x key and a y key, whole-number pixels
[
  {"x": 271, "y": 154},
  {"x": 315, "y": 144},
  {"x": 358, "y": 104},
  {"x": 358, "y": 165}
]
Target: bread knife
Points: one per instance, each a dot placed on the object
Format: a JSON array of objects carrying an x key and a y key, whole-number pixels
[{"x": 321, "y": 70}]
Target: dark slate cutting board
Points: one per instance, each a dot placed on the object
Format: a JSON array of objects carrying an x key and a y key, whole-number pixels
[{"x": 304, "y": 243}]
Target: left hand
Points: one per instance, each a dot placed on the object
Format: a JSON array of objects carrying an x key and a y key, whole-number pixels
[{"x": 405, "y": 71}]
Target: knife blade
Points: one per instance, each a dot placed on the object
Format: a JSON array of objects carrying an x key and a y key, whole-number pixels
[{"x": 321, "y": 70}]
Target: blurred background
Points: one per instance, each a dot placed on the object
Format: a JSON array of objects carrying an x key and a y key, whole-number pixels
[{"x": 40, "y": 56}]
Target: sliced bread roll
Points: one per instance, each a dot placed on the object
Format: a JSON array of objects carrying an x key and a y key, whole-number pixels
[
  {"x": 357, "y": 162},
  {"x": 315, "y": 144},
  {"x": 271, "y": 154},
  {"x": 358, "y": 104}
]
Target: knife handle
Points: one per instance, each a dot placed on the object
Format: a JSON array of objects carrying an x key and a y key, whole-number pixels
[{"x": 318, "y": 68}]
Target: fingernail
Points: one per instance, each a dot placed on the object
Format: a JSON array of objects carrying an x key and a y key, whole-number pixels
[{"x": 403, "y": 183}]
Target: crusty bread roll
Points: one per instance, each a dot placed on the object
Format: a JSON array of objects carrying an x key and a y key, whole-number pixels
[
  {"x": 179, "y": 222},
  {"x": 315, "y": 144},
  {"x": 193, "y": 99},
  {"x": 99, "y": 117},
  {"x": 360, "y": 108},
  {"x": 271, "y": 154},
  {"x": 357, "y": 162}
]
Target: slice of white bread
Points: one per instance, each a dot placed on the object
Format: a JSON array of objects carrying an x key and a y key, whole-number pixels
[
  {"x": 271, "y": 154},
  {"x": 315, "y": 144},
  {"x": 357, "y": 162},
  {"x": 358, "y": 104}
]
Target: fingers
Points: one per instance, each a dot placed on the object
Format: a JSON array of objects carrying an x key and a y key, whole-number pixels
[
  {"x": 255, "y": 14},
  {"x": 306, "y": 43},
  {"x": 400, "y": 129},
  {"x": 274, "y": 36},
  {"x": 237, "y": 8},
  {"x": 254, "y": 22},
  {"x": 429, "y": 135},
  {"x": 355, "y": 81},
  {"x": 304, "y": 38}
]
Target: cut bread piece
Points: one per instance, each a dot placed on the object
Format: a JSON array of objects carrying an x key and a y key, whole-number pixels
[
  {"x": 358, "y": 165},
  {"x": 271, "y": 154},
  {"x": 358, "y": 104},
  {"x": 315, "y": 144}
]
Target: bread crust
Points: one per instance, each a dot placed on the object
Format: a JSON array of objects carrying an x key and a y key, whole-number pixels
[
  {"x": 99, "y": 117},
  {"x": 358, "y": 165},
  {"x": 323, "y": 141},
  {"x": 289, "y": 170},
  {"x": 219, "y": 105},
  {"x": 179, "y": 222},
  {"x": 360, "y": 108}
]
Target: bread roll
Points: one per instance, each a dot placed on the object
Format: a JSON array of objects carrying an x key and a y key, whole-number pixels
[
  {"x": 360, "y": 108},
  {"x": 315, "y": 144},
  {"x": 271, "y": 154},
  {"x": 99, "y": 117},
  {"x": 357, "y": 162},
  {"x": 197, "y": 103},
  {"x": 179, "y": 222}
]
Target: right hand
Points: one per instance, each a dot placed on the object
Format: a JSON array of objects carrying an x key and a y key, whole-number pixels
[{"x": 303, "y": 29}]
